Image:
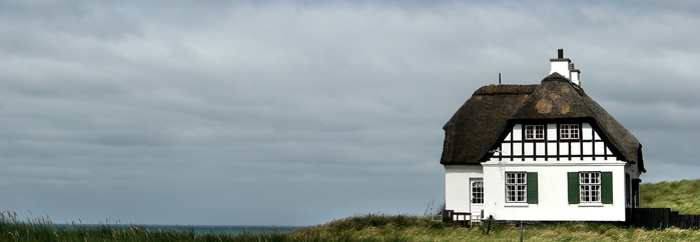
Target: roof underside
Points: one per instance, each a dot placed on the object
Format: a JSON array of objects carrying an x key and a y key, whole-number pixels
[{"x": 480, "y": 122}]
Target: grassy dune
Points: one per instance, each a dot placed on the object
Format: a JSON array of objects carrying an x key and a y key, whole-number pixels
[
  {"x": 414, "y": 228},
  {"x": 679, "y": 195},
  {"x": 682, "y": 196}
]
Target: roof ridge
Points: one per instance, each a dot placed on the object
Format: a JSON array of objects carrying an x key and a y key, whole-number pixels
[{"x": 506, "y": 89}]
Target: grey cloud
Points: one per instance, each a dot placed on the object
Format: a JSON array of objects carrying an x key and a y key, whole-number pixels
[{"x": 207, "y": 113}]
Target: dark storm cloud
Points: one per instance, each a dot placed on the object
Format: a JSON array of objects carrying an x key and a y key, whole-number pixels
[{"x": 208, "y": 113}]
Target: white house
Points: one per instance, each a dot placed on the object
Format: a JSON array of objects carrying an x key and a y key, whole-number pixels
[{"x": 543, "y": 152}]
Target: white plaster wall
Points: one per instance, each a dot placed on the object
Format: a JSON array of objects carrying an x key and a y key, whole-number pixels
[
  {"x": 553, "y": 201},
  {"x": 575, "y": 77},
  {"x": 552, "y": 132},
  {"x": 586, "y": 130},
  {"x": 457, "y": 187},
  {"x": 562, "y": 67},
  {"x": 517, "y": 132}
]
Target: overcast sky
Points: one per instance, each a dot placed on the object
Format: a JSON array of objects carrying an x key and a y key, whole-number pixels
[{"x": 301, "y": 112}]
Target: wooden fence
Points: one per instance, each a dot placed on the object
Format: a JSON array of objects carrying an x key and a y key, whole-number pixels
[{"x": 661, "y": 218}]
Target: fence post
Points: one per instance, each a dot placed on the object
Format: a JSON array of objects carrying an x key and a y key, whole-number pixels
[
  {"x": 521, "y": 231},
  {"x": 488, "y": 227}
]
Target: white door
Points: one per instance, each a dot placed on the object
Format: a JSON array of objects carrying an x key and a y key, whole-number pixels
[{"x": 476, "y": 195}]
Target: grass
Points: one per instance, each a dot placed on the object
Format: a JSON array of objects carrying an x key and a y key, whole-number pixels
[
  {"x": 370, "y": 227},
  {"x": 677, "y": 195},
  {"x": 375, "y": 227},
  {"x": 681, "y": 196}
]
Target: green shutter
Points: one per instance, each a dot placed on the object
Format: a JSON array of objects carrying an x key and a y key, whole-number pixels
[
  {"x": 606, "y": 187},
  {"x": 532, "y": 187},
  {"x": 574, "y": 193}
]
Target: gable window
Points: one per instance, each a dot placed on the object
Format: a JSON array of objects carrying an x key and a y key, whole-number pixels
[
  {"x": 589, "y": 187},
  {"x": 516, "y": 187},
  {"x": 569, "y": 131},
  {"x": 534, "y": 132},
  {"x": 478, "y": 192}
]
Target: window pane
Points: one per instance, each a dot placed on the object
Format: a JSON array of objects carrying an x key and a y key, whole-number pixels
[
  {"x": 478, "y": 192},
  {"x": 569, "y": 131},
  {"x": 534, "y": 131},
  {"x": 510, "y": 192},
  {"x": 516, "y": 187},
  {"x": 595, "y": 193},
  {"x": 585, "y": 193},
  {"x": 590, "y": 186}
]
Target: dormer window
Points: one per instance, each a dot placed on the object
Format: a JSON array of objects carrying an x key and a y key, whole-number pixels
[
  {"x": 569, "y": 131},
  {"x": 534, "y": 132}
]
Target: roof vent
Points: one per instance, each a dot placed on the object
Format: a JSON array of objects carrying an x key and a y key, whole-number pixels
[{"x": 564, "y": 67}]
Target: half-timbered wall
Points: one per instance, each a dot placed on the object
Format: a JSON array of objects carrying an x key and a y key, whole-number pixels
[
  {"x": 549, "y": 158},
  {"x": 589, "y": 145}
]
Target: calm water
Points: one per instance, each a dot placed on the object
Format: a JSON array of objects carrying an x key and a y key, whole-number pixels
[
  {"x": 223, "y": 229},
  {"x": 205, "y": 229}
]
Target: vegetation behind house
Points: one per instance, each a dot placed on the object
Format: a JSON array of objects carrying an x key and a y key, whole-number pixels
[{"x": 682, "y": 196}]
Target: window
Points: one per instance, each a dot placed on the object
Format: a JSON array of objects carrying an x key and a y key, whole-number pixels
[
  {"x": 478, "y": 192},
  {"x": 534, "y": 132},
  {"x": 590, "y": 187},
  {"x": 569, "y": 131},
  {"x": 516, "y": 187}
]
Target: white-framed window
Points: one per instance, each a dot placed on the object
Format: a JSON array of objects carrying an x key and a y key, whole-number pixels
[
  {"x": 478, "y": 192},
  {"x": 590, "y": 184},
  {"x": 534, "y": 132},
  {"x": 569, "y": 131},
  {"x": 516, "y": 187}
]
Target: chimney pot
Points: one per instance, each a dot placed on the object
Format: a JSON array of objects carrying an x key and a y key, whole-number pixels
[{"x": 561, "y": 53}]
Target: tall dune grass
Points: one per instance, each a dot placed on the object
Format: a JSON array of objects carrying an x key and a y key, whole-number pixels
[
  {"x": 42, "y": 229},
  {"x": 370, "y": 227},
  {"x": 377, "y": 227},
  {"x": 682, "y": 196}
]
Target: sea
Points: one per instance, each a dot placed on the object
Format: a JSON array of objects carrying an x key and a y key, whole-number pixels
[
  {"x": 222, "y": 229},
  {"x": 201, "y": 229}
]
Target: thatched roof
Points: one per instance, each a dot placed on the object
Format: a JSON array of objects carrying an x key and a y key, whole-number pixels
[{"x": 479, "y": 124}]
